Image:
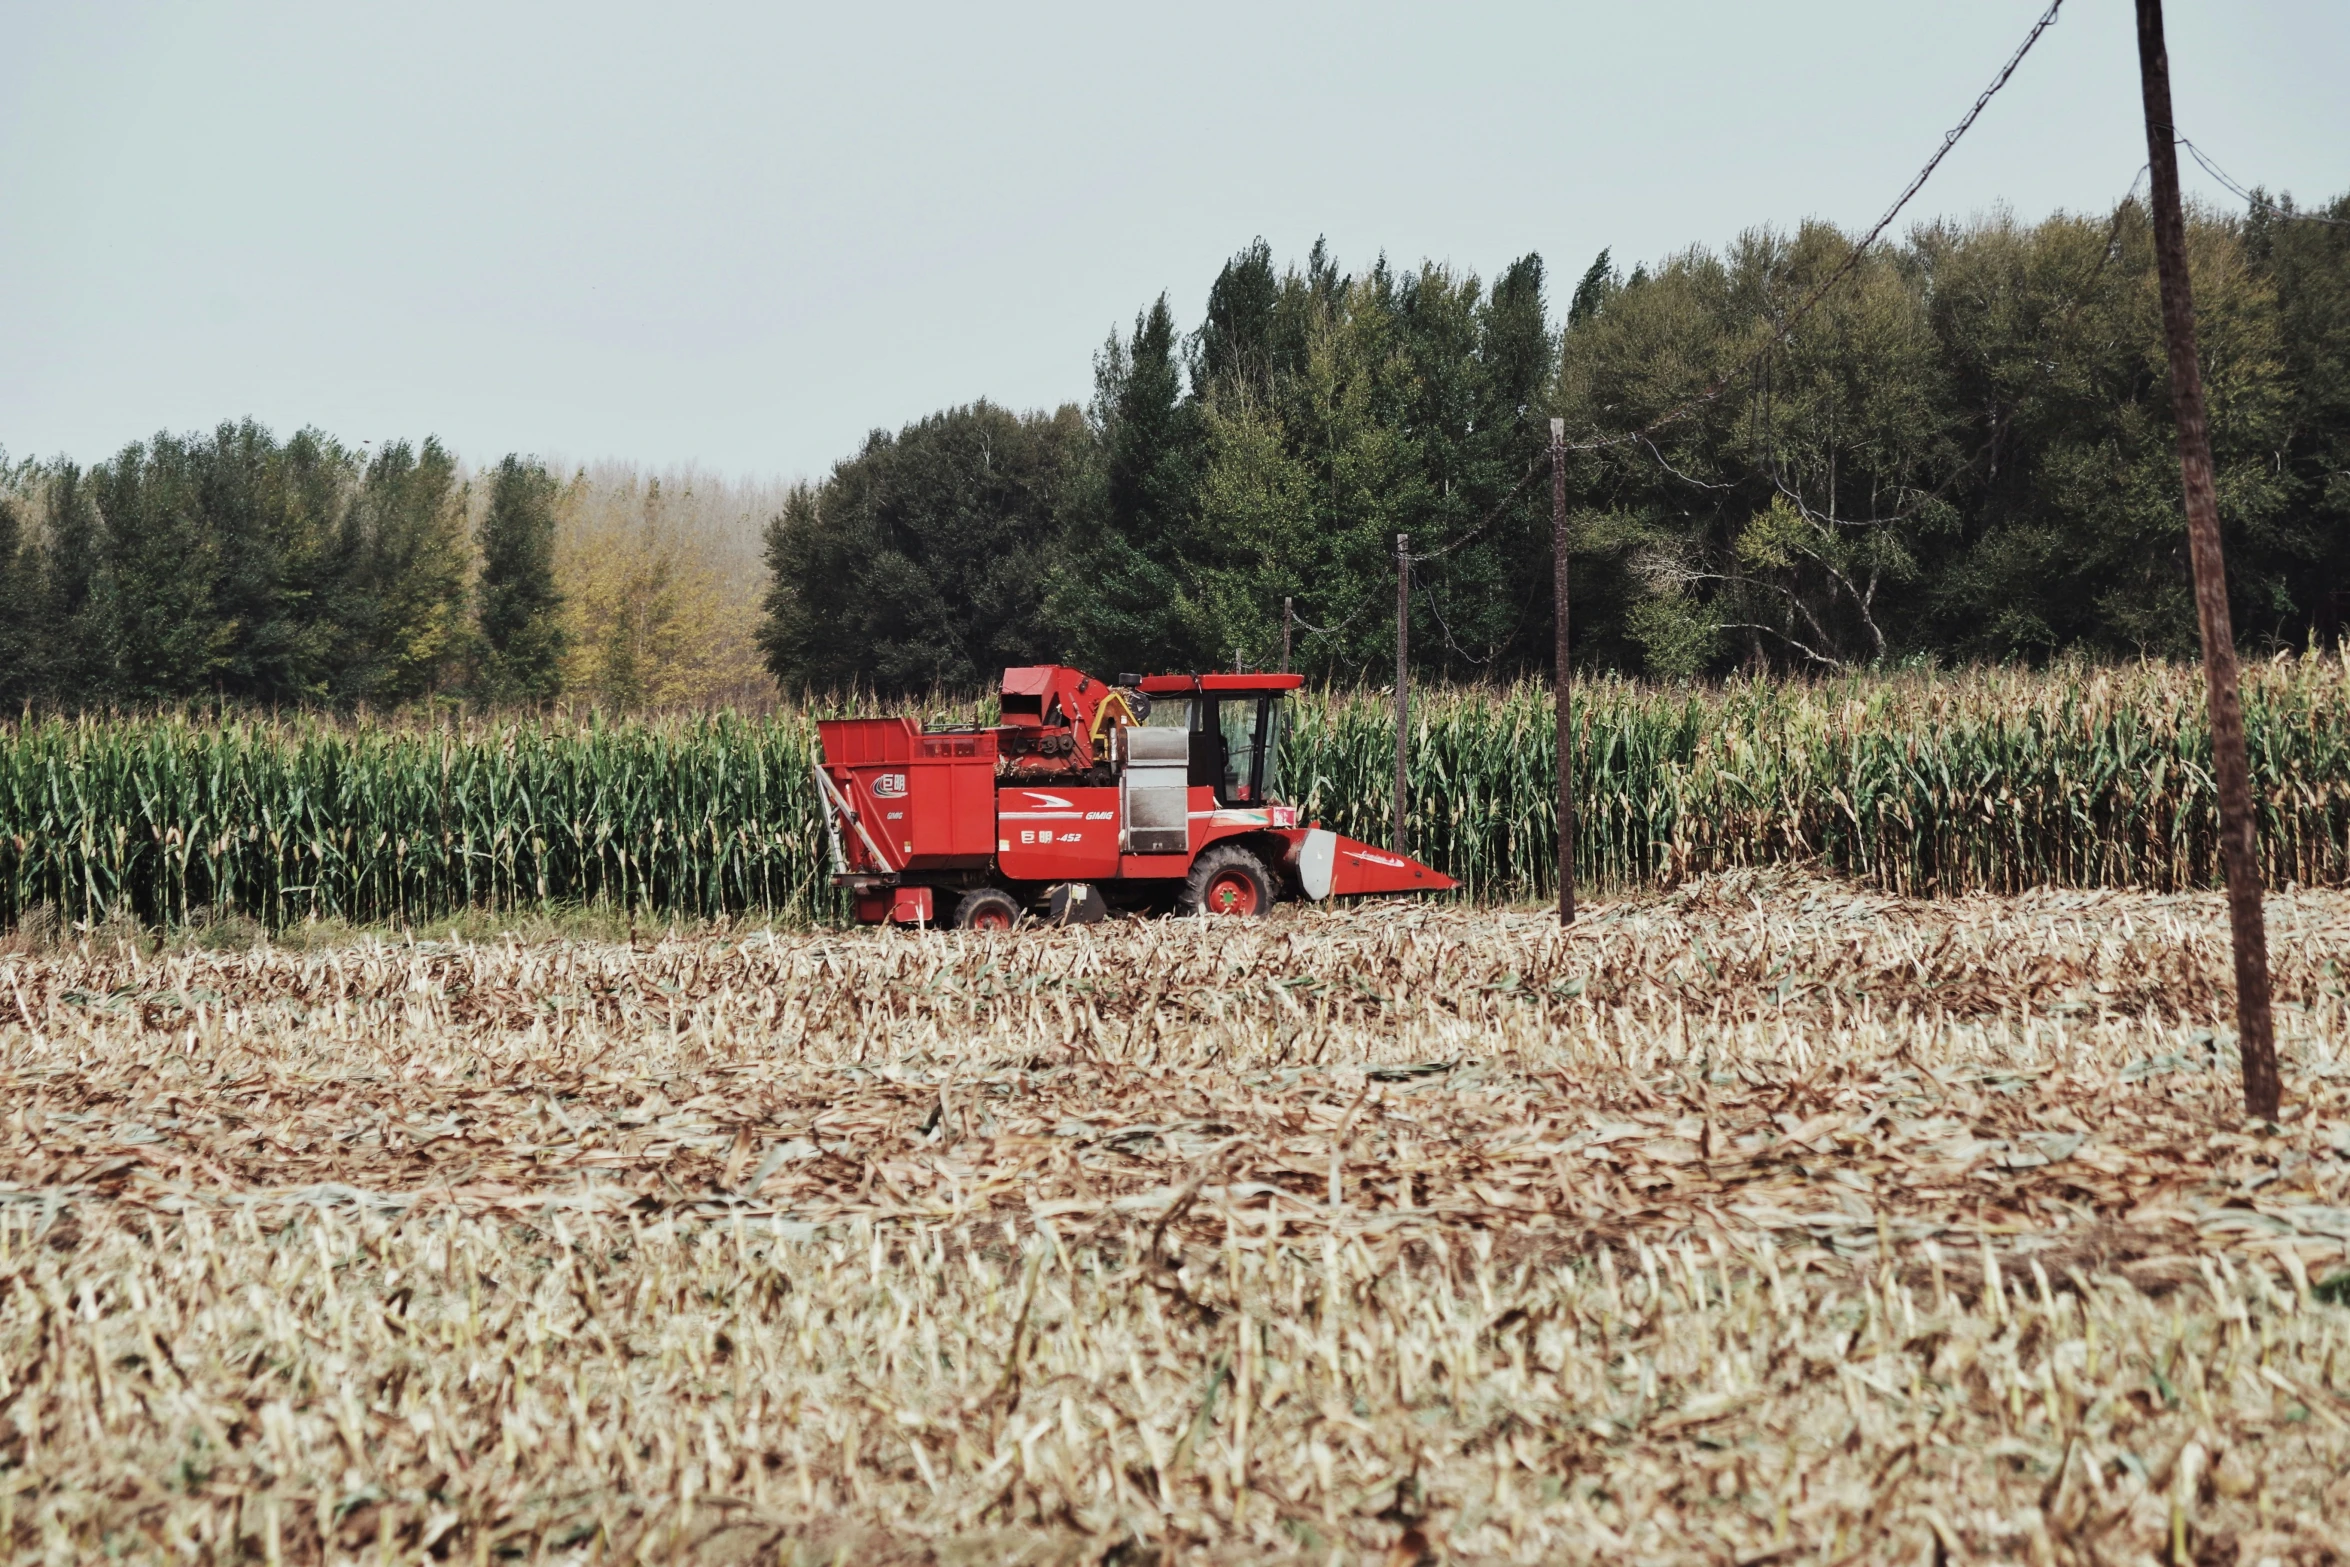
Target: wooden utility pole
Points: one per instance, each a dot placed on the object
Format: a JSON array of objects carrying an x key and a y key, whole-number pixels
[
  {"x": 1288, "y": 616},
  {"x": 2239, "y": 847},
  {"x": 1562, "y": 685},
  {"x": 1403, "y": 686}
]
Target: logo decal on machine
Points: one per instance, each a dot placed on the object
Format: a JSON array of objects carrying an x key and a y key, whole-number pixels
[
  {"x": 889, "y": 786},
  {"x": 1051, "y": 807},
  {"x": 1365, "y": 857}
]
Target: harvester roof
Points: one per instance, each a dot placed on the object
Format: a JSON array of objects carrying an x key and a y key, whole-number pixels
[{"x": 1182, "y": 685}]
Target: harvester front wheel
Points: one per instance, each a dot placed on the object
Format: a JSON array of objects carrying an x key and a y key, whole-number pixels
[
  {"x": 1228, "y": 880},
  {"x": 987, "y": 908}
]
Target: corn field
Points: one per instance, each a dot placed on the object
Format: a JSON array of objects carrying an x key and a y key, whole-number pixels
[
  {"x": 171, "y": 820},
  {"x": 1919, "y": 784},
  {"x": 1922, "y": 784}
]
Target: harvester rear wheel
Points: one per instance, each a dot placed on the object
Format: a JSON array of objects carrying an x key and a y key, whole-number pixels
[
  {"x": 987, "y": 908},
  {"x": 1228, "y": 880}
]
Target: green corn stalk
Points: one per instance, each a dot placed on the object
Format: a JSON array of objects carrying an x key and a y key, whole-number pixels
[{"x": 1920, "y": 783}]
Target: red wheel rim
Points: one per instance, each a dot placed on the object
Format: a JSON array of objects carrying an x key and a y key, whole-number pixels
[
  {"x": 1232, "y": 892},
  {"x": 991, "y": 919}
]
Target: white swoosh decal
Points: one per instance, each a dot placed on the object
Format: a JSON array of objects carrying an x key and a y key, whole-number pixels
[{"x": 1053, "y": 800}]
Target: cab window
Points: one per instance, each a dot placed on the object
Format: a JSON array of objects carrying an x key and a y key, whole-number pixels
[
  {"x": 1269, "y": 752},
  {"x": 1242, "y": 732},
  {"x": 1238, "y": 720},
  {"x": 1235, "y": 743}
]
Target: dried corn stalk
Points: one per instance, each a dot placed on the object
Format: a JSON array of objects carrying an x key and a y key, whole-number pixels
[{"x": 1769, "y": 1220}]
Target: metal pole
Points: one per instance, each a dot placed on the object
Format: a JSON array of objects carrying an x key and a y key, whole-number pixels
[
  {"x": 1563, "y": 682},
  {"x": 1287, "y": 616},
  {"x": 1403, "y": 686},
  {"x": 2239, "y": 847}
]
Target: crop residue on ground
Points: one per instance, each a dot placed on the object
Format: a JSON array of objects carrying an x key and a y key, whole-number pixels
[{"x": 1767, "y": 1220}]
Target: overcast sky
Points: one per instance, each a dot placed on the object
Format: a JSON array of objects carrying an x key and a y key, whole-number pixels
[{"x": 743, "y": 234}]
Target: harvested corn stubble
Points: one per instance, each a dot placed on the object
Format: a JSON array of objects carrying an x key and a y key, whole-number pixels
[{"x": 1770, "y": 1220}]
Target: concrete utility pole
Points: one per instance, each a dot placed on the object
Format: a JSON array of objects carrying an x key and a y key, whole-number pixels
[
  {"x": 1562, "y": 685},
  {"x": 2239, "y": 848},
  {"x": 1288, "y": 616},
  {"x": 1403, "y": 687}
]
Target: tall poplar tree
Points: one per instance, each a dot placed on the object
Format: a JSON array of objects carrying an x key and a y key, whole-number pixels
[
  {"x": 159, "y": 572},
  {"x": 403, "y": 561},
  {"x": 70, "y": 655},
  {"x": 519, "y": 638},
  {"x": 271, "y": 511},
  {"x": 1117, "y": 588},
  {"x": 19, "y": 597}
]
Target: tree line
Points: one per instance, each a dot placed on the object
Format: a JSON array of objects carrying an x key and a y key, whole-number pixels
[
  {"x": 291, "y": 572},
  {"x": 1964, "y": 454},
  {"x": 236, "y": 566}
]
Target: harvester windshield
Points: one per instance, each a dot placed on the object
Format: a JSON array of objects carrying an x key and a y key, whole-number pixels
[
  {"x": 1237, "y": 724},
  {"x": 1248, "y": 727}
]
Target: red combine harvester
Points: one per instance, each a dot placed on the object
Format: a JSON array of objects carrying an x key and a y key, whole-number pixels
[{"x": 1160, "y": 792}]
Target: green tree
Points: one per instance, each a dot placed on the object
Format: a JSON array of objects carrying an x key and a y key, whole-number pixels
[
  {"x": 1302, "y": 483},
  {"x": 2308, "y": 266},
  {"x": 1237, "y": 343},
  {"x": 1481, "y": 361},
  {"x": 1116, "y": 591},
  {"x": 401, "y": 588},
  {"x": 209, "y": 568},
  {"x": 519, "y": 639},
  {"x": 19, "y": 605},
  {"x": 1591, "y": 293},
  {"x": 1964, "y": 449},
  {"x": 1345, "y": 411},
  {"x": 159, "y": 575},
  {"x": 2069, "y": 530},
  {"x": 273, "y": 510},
  {"x": 923, "y": 561},
  {"x": 70, "y": 659}
]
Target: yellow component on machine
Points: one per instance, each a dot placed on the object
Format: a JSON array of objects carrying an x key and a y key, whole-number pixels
[{"x": 1113, "y": 708}]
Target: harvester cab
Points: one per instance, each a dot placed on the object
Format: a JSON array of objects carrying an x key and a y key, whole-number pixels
[
  {"x": 1158, "y": 792},
  {"x": 1236, "y": 720}
]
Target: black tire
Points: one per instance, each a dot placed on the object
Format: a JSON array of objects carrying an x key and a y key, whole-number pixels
[
  {"x": 987, "y": 908},
  {"x": 1228, "y": 880}
]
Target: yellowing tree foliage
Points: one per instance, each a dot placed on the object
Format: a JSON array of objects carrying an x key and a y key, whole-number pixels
[{"x": 660, "y": 579}]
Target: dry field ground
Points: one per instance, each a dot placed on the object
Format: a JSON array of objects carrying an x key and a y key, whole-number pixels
[{"x": 1764, "y": 1221}]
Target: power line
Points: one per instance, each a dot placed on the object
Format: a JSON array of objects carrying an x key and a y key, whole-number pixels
[
  {"x": 1436, "y": 611},
  {"x": 1470, "y": 537},
  {"x": 2257, "y": 202},
  {"x": 1950, "y": 139},
  {"x": 1312, "y": 630},
  {"x": 1784, "y": 331},
  {"x": 2105, "y": 252}
]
